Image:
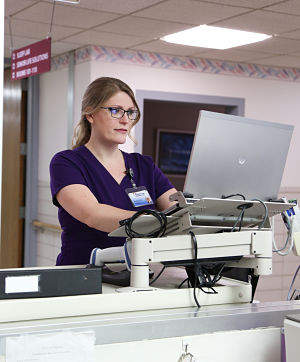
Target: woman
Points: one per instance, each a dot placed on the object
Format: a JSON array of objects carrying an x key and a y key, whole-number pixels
[{"x": 95, "y": 185}]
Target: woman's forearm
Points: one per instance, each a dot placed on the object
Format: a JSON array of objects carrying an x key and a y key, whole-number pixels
[{"x": 106, "y": 218}]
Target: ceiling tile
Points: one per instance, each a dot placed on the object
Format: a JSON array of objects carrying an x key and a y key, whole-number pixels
[
  {"x": 6, "y": 52},
  {"x": 105, "y": 39},
  {"x": 18, "y": 42},
  {"x": 295, "y": 34},
  {"x": 274, "y": 46},
  {"x": 159, "y": 46},
  {"x": 190, "y": 12},
  {"x": 137, "y": 24},
  {"x": 233, "y": 55},
  {"x": 252, "y": 4},
  {"x": 58, "y": 48},
  {"x": 133, "y": 25},
  {"x": 296, "y": 54},
  {"x": 65, "y": 15},
  {"x": 38, "y": 30},
  {"x": 286, "y": 7},
  {"x": 280, "y": 61},
  {"x": 263, "y": 21},
  {"x": 115, "y": 6},
  {"x": 13, "y": 6}
]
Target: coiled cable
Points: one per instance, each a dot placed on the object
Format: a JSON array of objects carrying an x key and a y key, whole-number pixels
[{"x": 158, "y": 232}]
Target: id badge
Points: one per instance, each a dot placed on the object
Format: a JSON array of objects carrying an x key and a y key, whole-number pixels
[{"x": 139, "y": 196}]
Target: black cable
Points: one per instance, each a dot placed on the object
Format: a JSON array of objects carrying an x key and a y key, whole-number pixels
[
  {"x": 205, "y": 281},
  {"x": 228, "y": 196},
  {"x": 218, "y": 275},
  {"x": 202, "y": 274},
  {"x": 239, "y": 219},
  {"x": 161, "y": 217},
  {"x": 244, "y": 207},
  {"x": 181, "y": 284},
  {"x": 158, "y": 275},
  {"x": 242, "y": 217}
]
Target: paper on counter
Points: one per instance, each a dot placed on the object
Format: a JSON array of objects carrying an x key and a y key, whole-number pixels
[{"x": 54, "y": 347}]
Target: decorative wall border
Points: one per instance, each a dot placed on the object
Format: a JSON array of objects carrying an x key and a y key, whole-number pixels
[
  {"x": 163, "y": 61},
  {"x": 60, "y": 61}
]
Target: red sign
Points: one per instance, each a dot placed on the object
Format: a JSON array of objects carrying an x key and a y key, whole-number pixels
[{"x": 31, "y": 60}]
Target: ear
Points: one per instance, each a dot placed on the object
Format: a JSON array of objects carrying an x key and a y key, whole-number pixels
[{"x": 90, "y": 118}]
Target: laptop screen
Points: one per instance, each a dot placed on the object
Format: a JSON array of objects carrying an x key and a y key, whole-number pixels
[{"x": 232, "y": 154}]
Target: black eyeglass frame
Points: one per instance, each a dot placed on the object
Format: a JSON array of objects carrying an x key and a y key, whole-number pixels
[{"x": 129, "y": 112}]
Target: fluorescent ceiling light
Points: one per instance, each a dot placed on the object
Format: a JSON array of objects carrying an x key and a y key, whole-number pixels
[
  {"x": 69, "y": 1},
  {"x": 206, "y": 36}
]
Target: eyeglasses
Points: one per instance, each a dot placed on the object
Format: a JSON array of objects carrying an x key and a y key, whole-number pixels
[{"x": 117, "y": 112}]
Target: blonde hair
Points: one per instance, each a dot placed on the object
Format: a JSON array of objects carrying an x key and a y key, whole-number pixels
[{"x": 97, "y": 93}]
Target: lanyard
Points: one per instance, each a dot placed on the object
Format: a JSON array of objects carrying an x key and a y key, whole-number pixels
[{"x": 130, "y": 174}]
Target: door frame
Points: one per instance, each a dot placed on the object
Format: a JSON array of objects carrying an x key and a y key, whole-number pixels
[{"x": 235, "y": 106}]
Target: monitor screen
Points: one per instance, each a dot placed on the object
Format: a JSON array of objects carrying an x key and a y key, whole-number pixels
[
  {"x": 232, "y": 154},
  {"x": 173, "y": 149}
]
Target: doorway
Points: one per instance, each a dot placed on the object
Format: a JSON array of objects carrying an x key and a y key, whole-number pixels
[{"x": 176, "y": 112}]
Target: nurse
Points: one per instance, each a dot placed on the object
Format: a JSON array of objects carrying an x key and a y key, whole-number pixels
[{"x": 95, "y": 185}]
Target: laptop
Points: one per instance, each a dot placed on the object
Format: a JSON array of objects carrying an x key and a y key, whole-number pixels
[
  {"x": 237, "y": 155},
  {"x": 231, "y": 155}
]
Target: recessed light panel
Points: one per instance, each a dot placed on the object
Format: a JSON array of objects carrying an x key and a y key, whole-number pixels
[
  {"x": 213, "y": 37},
  {"x": 69, "y": 1}
]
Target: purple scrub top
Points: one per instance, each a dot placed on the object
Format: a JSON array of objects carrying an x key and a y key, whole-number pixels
[{"x": 80, "y": 166}]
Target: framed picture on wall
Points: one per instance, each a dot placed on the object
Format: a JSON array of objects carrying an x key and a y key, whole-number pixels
[{"x": 173, "y": 149}]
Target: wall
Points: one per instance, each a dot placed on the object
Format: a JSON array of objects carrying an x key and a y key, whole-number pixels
[
  {"x": 268, "y": 99},
  {"x": 53, "y": 117},
  {"x": 53, "y": 138}
]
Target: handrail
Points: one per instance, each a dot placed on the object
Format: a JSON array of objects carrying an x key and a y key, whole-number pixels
[{"x": 43, "y": 225}]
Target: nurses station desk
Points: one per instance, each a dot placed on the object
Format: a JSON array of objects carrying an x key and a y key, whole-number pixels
[
  {"x": 126, "y": 326},
  {"x": 159, "y": 322}
]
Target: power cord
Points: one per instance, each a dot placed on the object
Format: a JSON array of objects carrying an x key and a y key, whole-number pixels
[
  {"x": 185, "y": 280},
  {"x": 158, "y": 275},
  {"x": 239, "y": 218},
  {"x": 161, "y": 217},
  {"x": 243, "y": 208},
  {"x": 202, "y": 276},
  {"x": 241, "y": 215},
  {"x": 228, "y": 196}
]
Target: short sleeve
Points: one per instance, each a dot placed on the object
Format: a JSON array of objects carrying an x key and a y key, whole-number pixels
[
  {"x": 64, "y": 171},
  {"x": 162, "y": 183}
]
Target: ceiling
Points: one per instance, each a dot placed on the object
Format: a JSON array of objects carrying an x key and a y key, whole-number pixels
[{"x": 138, "y": 25}]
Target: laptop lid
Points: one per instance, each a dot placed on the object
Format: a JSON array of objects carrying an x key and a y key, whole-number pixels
[{"x": 232, "y": 154}]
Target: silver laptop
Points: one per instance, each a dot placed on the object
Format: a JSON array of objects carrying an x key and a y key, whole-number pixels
[{"x": 237, "y": 155}]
